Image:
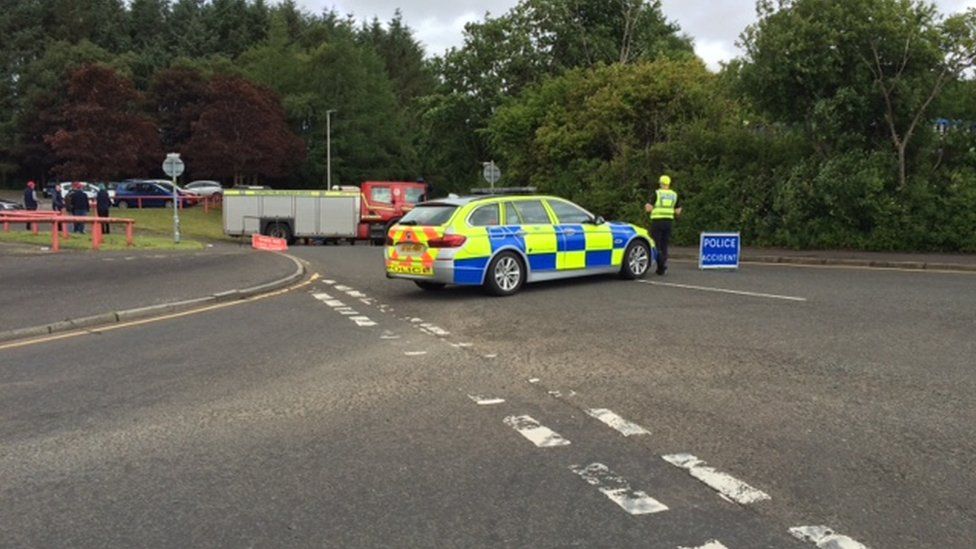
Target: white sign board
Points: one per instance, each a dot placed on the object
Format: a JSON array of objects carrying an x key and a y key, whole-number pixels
[{"x": 173, "y": 166}]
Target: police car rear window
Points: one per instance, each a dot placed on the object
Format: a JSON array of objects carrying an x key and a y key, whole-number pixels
[{"x": 429, "y": 215}]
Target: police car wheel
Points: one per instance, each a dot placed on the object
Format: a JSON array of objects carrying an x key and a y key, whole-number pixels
[
  {"x": 637, "y": 260},
  {"x": 506, "y": 274},
  {"x": 430, "y": 286}
]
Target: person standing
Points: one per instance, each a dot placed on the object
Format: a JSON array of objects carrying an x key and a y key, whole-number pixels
[
  {"x": 78, "y": 203},
  {"x": 102, "y": 204},
  {"x": 663, "y": 207},
  {"x": 30, "y": 199},
  {"x": 57, "y": 200}
]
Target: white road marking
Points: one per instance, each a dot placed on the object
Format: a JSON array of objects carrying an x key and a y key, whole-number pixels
[
  {"x": 626, "y": 428},
  {"x": 533, "y": 380},
  {"x": 465, "y": 344},
  {"x": 346, "y": 311},
  {"x": 342, "y": 288},
  {"x": 492, "y": 355},
  {"x": 825, "y": 538},
  {"x": 416, "y": 320},
  {"x": 415, "y": 353},
  {"x": 322, "y": 296},
  {"x": 435, "y": 329},
  {"x": 355, "y": 293},
  {"x": 723, "y": 290},
  {"x": 328, "y": 281},
  {"x": 389, "y": 335},
  {"x": 560, "y": 394},
  {"x": 334, "y": 303},
  {"x": 713, "y": 544},
  {"x": 725, "y": 484},
  {"x": 540, "y": 435},
  {"x": 362, "y": 321},
  {"x": 635, "y": 502},
  {"x": 368, "y": 301},
  {"x": 486, "y": 401}
]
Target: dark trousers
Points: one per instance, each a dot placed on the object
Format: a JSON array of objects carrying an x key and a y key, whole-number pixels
[
  {"x": 106, "y": 227},
  {"x": 80, "y": 227},
  {"x": 30, "y": 225},
  {"x": 661, "y": 233}
]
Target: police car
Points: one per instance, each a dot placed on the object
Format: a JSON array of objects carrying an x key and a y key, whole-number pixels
[{"x": 502, "y": 241}]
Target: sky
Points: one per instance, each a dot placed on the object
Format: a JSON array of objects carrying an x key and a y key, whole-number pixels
[{"x": 714, "y": 25}]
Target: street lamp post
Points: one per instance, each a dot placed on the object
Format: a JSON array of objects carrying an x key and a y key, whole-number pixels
[{"x": 328, "y": 148}]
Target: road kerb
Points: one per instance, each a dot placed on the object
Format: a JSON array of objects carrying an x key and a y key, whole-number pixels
[{"x": 155, "y": 310}]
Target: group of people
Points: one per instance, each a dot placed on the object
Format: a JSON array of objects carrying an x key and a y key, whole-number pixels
[{"x": 76, "y": 203}]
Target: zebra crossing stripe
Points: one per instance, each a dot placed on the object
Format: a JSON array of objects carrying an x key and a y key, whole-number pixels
[
  {"x": 825, "y": 538},
  {"x": 723, "y": 483},
  {"x": 626, "y": 428},
  {"x": 635, "y": 502},
  {"x": 540, "y": 435}
]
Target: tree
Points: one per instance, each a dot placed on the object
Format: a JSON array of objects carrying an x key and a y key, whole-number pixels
[
  {"x": 105, "y": 136},
  {"x": 242, "y": 133},
  {"x": 178, "y": 96},
  {"x": 856, "y": 73}
]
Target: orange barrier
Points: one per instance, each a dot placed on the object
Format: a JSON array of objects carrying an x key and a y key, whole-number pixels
[
  {"x": 59, "y": 223},
  {"x": 268, "y": 243}
]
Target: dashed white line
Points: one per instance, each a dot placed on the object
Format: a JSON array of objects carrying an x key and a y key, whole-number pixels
[
  {"x": 334, "y": 303},
  {"x": 725, "y": 484},
  {"x": 723, "y": 290},
  {"x": 415, "y": 353},
  {"x": 486, "y": 401},
  {"x": 362, "y": 321},
  {"x": 322, "y": 296},
  {"x": 635, "y": 502},
  {"x": 346, "y": 311},
  {"x": 825, "y": 538},
  {"x": 416, "y": 320},
  {"x": 626, "y": 428},
  {"x": 491, "y": 355},
  {"x": 560, "y": 394},
  {"x": 465, "y": 345},
  {"x": 436, "y": 330},
  {"x": 328, "y": 281},
  {"x": 355, "y": 293},
  {"x": 540, "y": 435},
  {"x": 342, "y": 288},
  {"x": 534, "y": 380},
  {"x": 713, "y": 544},
  {"x": 389, "y": 335}
]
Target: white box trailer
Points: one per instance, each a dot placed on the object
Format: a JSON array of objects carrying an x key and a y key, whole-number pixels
[{"x": 292, "y": 214}]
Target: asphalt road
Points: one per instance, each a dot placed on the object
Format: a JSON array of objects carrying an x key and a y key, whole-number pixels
[
  {"x": 45, "y": 288},
  {"x": 312, "y": 418}
]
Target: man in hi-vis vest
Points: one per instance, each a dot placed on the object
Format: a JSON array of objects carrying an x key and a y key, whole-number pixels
[{"x": 663, "y": 208}]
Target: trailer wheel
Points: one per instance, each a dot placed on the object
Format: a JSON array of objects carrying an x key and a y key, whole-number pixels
[{"x": 280, "y": 230}]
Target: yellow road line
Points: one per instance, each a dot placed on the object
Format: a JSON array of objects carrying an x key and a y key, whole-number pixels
[{"x": 110, "y": 327}]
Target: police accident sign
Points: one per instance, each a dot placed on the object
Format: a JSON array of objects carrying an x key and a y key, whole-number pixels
[{"x": 719, "y": 250}]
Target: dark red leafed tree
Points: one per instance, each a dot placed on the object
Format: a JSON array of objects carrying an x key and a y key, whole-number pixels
[
  {"x": 242, "y": 133},
  {"x": 178, "y": 96},
  {"x": 105, "y": 136}
]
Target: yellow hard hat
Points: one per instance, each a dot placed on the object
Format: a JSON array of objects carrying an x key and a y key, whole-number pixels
[{"x": 666, "y": 180}]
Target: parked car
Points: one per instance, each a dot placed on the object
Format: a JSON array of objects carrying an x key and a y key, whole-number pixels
[
  {"x": 149, "y": 194},
  {"x": 90, "y": 190},
  {"x": 205, "y": 188},
  {"x": 7, "y": 205}
]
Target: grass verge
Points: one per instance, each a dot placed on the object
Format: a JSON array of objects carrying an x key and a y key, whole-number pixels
[
  {"x": 194, "y": 224},
  {"x": 142, "y": 241}
]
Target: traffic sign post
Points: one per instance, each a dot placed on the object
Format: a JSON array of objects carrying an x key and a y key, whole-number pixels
[
  {"x": 174, "y": 167},
  {"x": 719, "y": 250},
  {"x": 491, "y": 173}
]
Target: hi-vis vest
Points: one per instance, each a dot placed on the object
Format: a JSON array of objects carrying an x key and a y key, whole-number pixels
[{"x": 665, "y": 204}]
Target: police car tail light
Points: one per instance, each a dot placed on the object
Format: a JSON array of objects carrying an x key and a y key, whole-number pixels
[{"x": 447, "y": 241}]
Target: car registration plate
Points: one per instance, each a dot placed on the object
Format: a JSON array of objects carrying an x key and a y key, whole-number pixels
[{"x": 410, "y": 248}]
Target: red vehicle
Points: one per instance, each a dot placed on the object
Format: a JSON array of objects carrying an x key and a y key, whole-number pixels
[{"x": 384, "y": 203}]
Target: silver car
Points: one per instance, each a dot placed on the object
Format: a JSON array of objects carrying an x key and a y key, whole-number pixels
[{"x": 204, "y": 188}]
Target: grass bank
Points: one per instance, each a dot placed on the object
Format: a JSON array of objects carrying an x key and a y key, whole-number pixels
[
  {"x": 112, "y": 241},
  {"x": 194, "y": 224}
]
